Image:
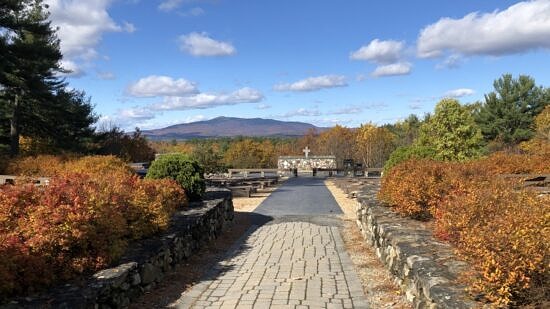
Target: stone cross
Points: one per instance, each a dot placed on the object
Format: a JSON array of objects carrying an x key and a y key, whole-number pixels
[{"x": 306, "y": 151}]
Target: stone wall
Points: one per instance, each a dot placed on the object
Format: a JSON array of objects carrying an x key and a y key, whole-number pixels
[
  {"x": 426, "y": 269},
  {"x": 303, "y": 163},
  {"x": 146, "y": 261}
]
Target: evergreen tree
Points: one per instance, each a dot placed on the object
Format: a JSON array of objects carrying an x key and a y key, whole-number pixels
[
  {"x": 506, "y": 116},
  {"x": 33, "y": 96},
  {"x": 451, "y": 132}
]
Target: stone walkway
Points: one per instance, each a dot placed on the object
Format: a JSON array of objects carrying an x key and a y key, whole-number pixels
[
  {"x": 287, "y": 263},
  {"x": 284, "y": 265}
]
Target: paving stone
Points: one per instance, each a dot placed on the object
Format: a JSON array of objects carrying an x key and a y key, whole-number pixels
[{"x": 287, "y": 265}]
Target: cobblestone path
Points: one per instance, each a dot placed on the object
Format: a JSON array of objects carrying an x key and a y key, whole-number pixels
[{"x": 282, "y": 264}]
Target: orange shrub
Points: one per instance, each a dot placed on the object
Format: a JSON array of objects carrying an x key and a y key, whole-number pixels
[
  {"x": 43, "y": 165},
  {"x": 97, "y": 165},
  {"x": 504, "y": 234},
  {"x": 504, "y": 163},
  {"x": 77, "y": 224},
  {"x": 48, "y": 165},
  {"x": 153, "y": 203},
  {"x": 415, "y": 187},
  {"x": 500, "y": 228}
]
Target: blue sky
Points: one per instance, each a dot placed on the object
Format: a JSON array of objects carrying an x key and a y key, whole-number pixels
[{"x": 153, "y": 63}]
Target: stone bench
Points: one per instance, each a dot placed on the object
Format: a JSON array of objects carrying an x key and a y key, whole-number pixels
[{"x": 241, "y": 191}]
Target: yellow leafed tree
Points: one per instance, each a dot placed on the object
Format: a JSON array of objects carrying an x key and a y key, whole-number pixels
[{"x": 374, "y": 145}]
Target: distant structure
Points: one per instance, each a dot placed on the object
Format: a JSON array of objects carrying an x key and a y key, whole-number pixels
[{"x": 306, "y": 163}]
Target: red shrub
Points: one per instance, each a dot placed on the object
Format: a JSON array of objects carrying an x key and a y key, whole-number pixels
[{"x": 77, "y": 224}]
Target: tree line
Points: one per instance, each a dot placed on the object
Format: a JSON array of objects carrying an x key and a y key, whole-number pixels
[
  {"x": 510, "y": 118},
  {"x": 39, "y": 114}
]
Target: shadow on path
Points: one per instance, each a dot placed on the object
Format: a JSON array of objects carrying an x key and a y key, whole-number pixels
[{"x": 300, "y": 196}]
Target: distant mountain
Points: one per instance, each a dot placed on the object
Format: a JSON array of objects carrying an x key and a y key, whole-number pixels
[{"x": 231, "y": 127}]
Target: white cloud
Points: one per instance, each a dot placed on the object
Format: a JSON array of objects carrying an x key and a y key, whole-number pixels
[
  {"x": 361, "y": 77},
  {"x": 129, "y": 27},
  {"x": 376, "y": 106},
  {"x": 195, "y": 118},
  {"x": 314, "y": 83},
  {"x": 521, "y": 27},
  {"x": 201, "y": 45},
  {"x": 400, "y": 68},
  {"x": 81, "y": 26},
  {"x": 451, "y": 62},
  {"x": 155, "y": 85},
  {"x": 136, "y": 114},
  {"x": 380, "y": 51},
  {"x": 125, "y": 118},
  {"x": 458, "y": 93},
  {"x": 193, "y": 12},
  {"x": 332, "y": 121},
  {"x": 263, "y": 106},
  {"x": 209, "y": 100},
  {"x": 106, "y": 75},
  {"x": 73, "y": 70},
  {"x": 346, "y": 111},
  {"x": 300, "y": 112},
  {"x": 169, "y": 5}
]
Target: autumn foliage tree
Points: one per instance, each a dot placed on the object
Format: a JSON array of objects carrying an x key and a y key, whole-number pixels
[
  {"x": 374, "y": 144},
  {"x": 337, "y": 141},
  {"x": 248, "y": 153}
]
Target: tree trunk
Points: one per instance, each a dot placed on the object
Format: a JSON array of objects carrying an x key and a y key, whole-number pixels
[{"x": 14, "y": 128}]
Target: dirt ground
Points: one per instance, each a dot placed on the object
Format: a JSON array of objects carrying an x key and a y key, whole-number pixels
[
  {"x": 378, "y": 286},
  {"x": 248, "y": 204}
]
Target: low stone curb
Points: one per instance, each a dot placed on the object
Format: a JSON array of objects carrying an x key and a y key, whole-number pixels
[
  {"x": 146, "y": 261},
  {"x": 426, "y": 269}
]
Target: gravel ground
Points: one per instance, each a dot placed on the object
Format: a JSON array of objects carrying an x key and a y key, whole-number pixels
[{"x": 377, "y": 282}]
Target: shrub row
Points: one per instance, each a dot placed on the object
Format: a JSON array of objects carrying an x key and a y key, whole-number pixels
[
  {"x": 500, "y": 229},
  {"x": 48, "y": 165},
  {"x": 79, "y": 223},
  {"x": 185, "y": 171}
]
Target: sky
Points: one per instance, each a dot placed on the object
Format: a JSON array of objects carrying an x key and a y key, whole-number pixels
[{"x": 155, "y": 63}]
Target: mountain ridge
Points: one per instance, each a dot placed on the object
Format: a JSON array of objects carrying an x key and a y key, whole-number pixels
[{"x": 232, "y": 127}]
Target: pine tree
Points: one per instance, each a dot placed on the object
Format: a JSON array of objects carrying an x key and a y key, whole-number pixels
[
  {"x": 33, "y": 94},
  {"x": 506, "y": 117}
]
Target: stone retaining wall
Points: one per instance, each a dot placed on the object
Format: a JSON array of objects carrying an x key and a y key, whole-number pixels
[
  {"x": 146, "y": 262},
  {"x": 425, "y": 268}
]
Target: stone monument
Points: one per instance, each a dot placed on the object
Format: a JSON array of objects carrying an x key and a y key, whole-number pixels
[{"x": 306, "y": 163}]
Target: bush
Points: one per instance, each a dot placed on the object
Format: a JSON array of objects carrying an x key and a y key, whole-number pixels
[
  {"x": 402, "y": 154},
  {"x": 184, "y": 170},
  {"x": 76, "y": 225},
  {"x": 38, "y": 166},
  {"x": 503, "y": 233},
  {"x": 495, "y": 224},
  {"x": 98, "y": 166},
  {"x": 48, "y": 166},
  {"x": 415, "y": 187},
  {"x": 504, "y": 163}
]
